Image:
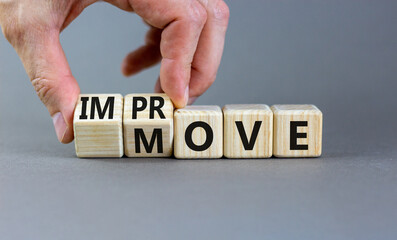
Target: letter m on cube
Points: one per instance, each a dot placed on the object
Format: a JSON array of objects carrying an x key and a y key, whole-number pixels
[
  {"x": 148, "y": 125},
  {"x": 98, "y": 125}
]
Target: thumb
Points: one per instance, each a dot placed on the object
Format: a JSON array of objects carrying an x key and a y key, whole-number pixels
[{"x": 48, "y": 69}]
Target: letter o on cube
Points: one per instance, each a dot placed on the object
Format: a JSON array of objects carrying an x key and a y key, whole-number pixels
[{"x": 198, "y": 132}]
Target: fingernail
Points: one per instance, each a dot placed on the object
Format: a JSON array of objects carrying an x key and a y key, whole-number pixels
[
  {"x": 191, "y": 100},
  {"x": 187, "y": 95},
  {"x": 60, "y": 125},
  {"x": 126, "y": 69}
]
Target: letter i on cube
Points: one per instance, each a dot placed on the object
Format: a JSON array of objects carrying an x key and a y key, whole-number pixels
[{"x": 98, "y": 125}]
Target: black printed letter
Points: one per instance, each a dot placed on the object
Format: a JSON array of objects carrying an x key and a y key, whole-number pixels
[
  {"x": 95, "y": 104},
  {"x": 248, "y": 145},
  {"x": 139, "y": 134},
  {"x": 156, "y": 108},
  {"x": 135, "y": 107},
  {"x": 208, "y": 141},
  {"x": 294, "y": 135},
  {"x": 83, "y": 114}
]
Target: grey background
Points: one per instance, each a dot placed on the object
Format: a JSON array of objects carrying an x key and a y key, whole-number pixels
[{"x": 339, "y": 55}]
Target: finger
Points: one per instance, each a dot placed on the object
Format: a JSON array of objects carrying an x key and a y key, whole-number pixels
[
  {"x": 183, "y": 22},
  {"x": 74, "y": 10},
  {"x": 145, "y": 56},
  {"x": 47, "y": 67},
  {"x": 210, "y": 48},
  {"x": 157, "y": 87}
]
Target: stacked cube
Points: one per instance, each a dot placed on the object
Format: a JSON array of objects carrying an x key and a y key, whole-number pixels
[{"x": 146, "y": 125}]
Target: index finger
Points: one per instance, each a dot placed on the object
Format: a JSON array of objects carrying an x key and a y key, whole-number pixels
[{"x": 183, "y": 22}]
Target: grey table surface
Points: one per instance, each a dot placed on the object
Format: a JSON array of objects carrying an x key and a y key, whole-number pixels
[{"x": 339, "y": 55}]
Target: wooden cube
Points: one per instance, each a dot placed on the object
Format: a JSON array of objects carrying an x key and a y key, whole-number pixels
[
  {"x": 297, "y": 131},
  {"x": 198, "y": 132},
  {"x": 97, "y": 125},
  {"x": 247, "y": 131},
  {"x": 148, "y": 125}
]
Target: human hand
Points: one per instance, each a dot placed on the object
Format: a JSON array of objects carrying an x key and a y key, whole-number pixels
[{"x": 187, "y": 36}]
